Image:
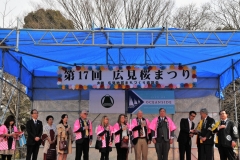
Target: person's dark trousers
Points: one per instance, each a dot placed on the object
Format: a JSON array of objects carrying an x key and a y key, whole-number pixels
[
  {"x": 105, "y": 155},
  {"x": 185, "y": 148},
  {"x": 199, "y": 151},
  {"x": 121, "y": 152},
  {"x": 206, "y": 152},
  {"x": 226, "y": 153},
  {"x": 32, "y": 151},
  {"x": 9, "y": 157},
  {"x": 162, "y": 149},
  {"x": 82, "y": 148}
]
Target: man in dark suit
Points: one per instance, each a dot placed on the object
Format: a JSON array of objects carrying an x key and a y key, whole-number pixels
[
  {"x": 227, "y": 137},
  {"x": 162, "y": 134},
  {"x": 34, "y": 130},
  {"x": 205, "y": 138},
  {"x": 185, "y": 135}
]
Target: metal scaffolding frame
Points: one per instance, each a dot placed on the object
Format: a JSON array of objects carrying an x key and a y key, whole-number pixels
[
  {"x": 90, "y": 37},
  {"x": 87, "y": 38}
]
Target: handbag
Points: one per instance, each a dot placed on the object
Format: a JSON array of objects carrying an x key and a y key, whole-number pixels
[
  {"x": 98, "y": 144},
  {"x": 63, "y": 144},
  {"x": 124, "y": 143},
  {"x": 51, "y": 154}
]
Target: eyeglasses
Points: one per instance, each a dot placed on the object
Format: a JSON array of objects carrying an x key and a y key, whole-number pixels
[
  {"x": 193, "y": 115},
  {"x": 35, "y": 113}
]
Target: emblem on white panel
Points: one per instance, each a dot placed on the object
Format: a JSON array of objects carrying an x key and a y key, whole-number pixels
[{"x": 107, "y": 101}]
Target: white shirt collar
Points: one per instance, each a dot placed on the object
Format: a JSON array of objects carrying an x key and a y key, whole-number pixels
[
  {"x": 224, "y": 120},
  {"x": 189, "y": 120}
]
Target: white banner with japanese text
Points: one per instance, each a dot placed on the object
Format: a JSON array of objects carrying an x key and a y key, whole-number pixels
[{"x": 84, "y": 78}]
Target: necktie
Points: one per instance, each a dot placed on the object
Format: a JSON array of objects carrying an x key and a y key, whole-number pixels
[
  {"x": 222, "y": 122},
  {"x": 203, "y": 123},
  {"x": 141, "y": 130},
  {"x": 35, "y": 122},
  {"x": 86, "y": 131}
]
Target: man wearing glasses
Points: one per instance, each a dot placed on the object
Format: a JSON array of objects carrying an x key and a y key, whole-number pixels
[
  {"x": 185, "y": 135},
  {"x": 83, "y": 131},
  {"x": 34, "y": 130}
]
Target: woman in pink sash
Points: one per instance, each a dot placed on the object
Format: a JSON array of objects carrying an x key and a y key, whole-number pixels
[
  {"x": 8, "y": 136},
  {"x": 121, "y": 137},
  {"x": 105, "y": 133}
]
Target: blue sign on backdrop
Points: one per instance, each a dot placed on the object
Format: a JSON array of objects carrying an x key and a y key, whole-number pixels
[{"x": 149, "y": 101}]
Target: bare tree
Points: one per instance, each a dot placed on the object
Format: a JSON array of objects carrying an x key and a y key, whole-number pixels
[
  {"x": 118, "y": 13},
  {"x": 44, "y": 4},
  {"x": 24, "y": 105},
  {"x": 191, "y": 17},
  {"x": 5, "y": 13},
  {"x": 80, "y": 11},
  {"x": 226, "y": 13},
  {"x": 108, "y": 12},
  {"x": 158, "y": 13},
  {"x": 147, "y": 13}
]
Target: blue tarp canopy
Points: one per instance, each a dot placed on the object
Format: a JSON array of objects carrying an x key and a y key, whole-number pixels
[{"x": 37, "y": 61}]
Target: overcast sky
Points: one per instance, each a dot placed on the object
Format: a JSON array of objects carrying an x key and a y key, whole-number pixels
[{"x": 21, "y": 7}]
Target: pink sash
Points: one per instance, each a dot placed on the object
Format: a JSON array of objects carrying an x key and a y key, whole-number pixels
[
  {"x": 153, "y": 126},
  {"x": 135, "y": 123},
  {"x": 100, "y": 129}
]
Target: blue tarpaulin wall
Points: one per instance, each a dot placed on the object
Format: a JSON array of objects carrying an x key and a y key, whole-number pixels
[{"x": 39, "y": 75}]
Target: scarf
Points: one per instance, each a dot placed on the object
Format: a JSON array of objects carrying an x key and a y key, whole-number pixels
[
  {"x": 199, "y": 128},
  {"x": 215, "y": 127}
]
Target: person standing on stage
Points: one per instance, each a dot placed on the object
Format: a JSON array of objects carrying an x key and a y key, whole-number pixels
[
  {"x": 205, "y": 138},
  {"x": 162, "y": 134},
  {"x": 105, "y": 134},
  {"x": 185, "y": 135},
  {"x": 34, "y": 130},
  {"x": 8, "y": 136},
  {"x": 83, "y": 131},
  {"x": 227, "y": 134},
  {"x": 49, "y": 137},
  {"x": 141, "y": 136},
  {"x": 64, "y": 132},
  {"x": 121, "y": 131}
]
